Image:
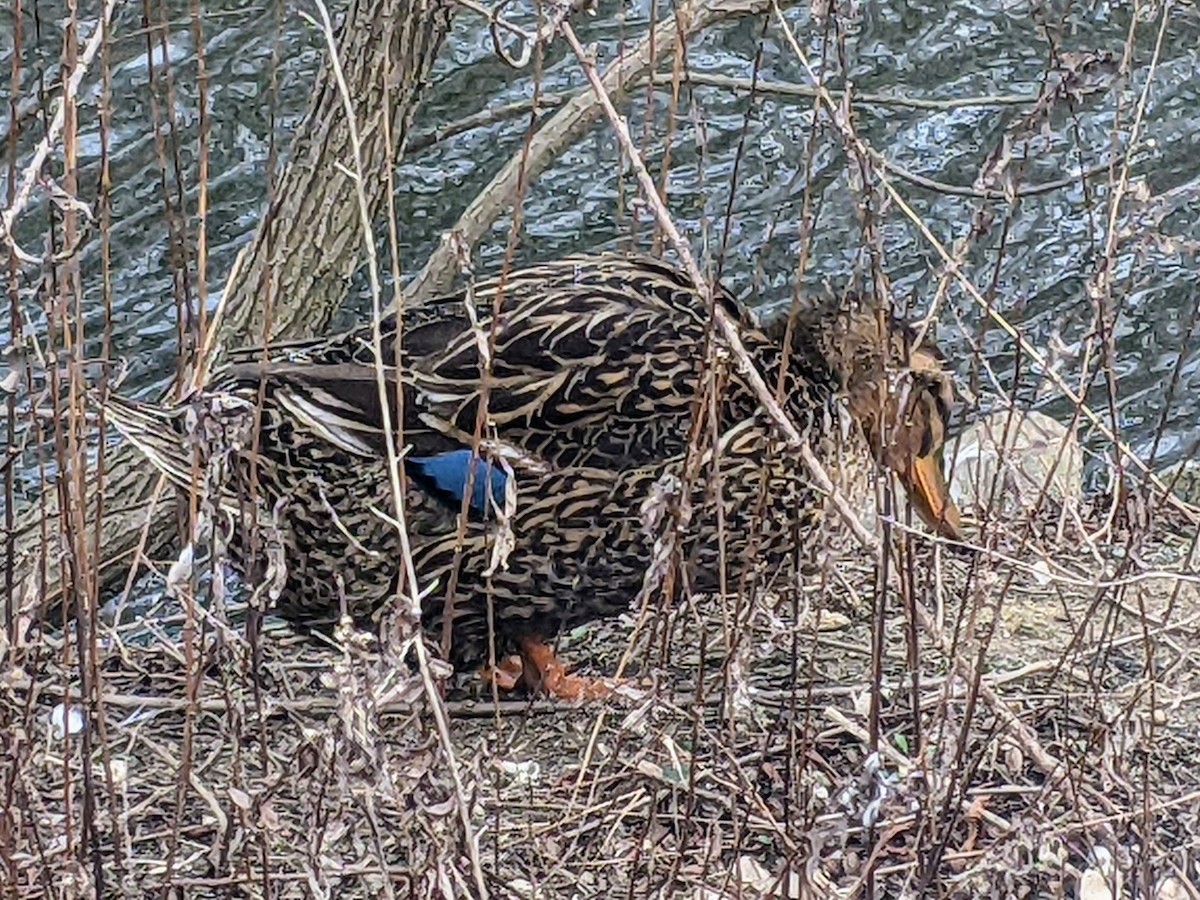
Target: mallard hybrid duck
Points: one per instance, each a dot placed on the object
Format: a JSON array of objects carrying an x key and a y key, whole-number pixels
[{"x": 595, "y": 375}]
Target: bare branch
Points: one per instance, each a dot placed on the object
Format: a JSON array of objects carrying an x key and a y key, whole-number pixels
[
  {"x": 8, "y": 218},
  {"x": 558, "y": 133}
]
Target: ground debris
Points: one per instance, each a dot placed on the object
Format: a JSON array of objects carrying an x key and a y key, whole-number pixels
[{"x": 748, "y": 769}]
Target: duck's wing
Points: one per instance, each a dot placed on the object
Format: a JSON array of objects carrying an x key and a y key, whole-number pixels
[
  {"x": 592, "y": 360},
  {"x": 156, "y": 431},
  {"x": 179, "y": 440}
]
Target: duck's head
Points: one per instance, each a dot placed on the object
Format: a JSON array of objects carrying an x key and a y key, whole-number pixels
[{"x": 901, "y": 395}]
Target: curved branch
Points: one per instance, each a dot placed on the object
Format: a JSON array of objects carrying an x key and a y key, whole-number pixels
[
  {"x": 71, "y": 84},
  {"x": 559, "y": 132}
]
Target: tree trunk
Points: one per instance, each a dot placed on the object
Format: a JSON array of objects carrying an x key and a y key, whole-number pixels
[
  {"x": 308, "y": 243},
  {"x": 300, "y": 263}
]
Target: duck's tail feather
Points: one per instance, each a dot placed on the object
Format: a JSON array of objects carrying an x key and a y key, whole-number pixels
[{"x": 157, "y": 432}]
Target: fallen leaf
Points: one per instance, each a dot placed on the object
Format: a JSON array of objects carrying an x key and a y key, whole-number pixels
[
  {"x": 240, "y": 799},
  {"x": 1094, "y": 886}
]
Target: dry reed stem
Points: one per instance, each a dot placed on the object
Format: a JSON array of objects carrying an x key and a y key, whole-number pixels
[
  {"x": 966, "y": 284},
  {"x": 42, "y": 152},
  {"x": 729, "y": 331},
  {"x": 644, "y": 800},
  {"x": 728, "y": 328},
  {"x": 1028, "y": 740},
  {"x": 413, "y": 614},
  {"x": 553, "y": 136}
]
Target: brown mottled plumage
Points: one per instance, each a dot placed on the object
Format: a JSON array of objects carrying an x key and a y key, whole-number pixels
[{"x": 596, "y": 364}]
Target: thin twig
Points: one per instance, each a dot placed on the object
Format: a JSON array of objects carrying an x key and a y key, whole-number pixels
[
  {"x": 432, "y": 694},
  {"x": 1050, "y": 766},
  {"x": 954, "y": 190},
  {"x": 424, "y": 139},
  {"x": 29, "y": 177},
  {"x": 791, "y": 89},
  {"x": 548, "y": 101},
  {"x": 729, "y": 330}
]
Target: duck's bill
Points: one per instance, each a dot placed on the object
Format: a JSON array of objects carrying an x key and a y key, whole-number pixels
[{"x": 930, "y": 496}]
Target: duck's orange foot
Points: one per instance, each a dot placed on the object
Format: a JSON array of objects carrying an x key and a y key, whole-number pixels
[
  {"x": 545, "y": 671},
  {"x": 506, "y": 674}
]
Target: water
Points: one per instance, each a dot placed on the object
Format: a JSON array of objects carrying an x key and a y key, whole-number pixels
[{"x": 919, "y": 50}]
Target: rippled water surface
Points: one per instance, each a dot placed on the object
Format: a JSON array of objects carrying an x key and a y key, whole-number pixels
[{"x": 1052, "y": 242}]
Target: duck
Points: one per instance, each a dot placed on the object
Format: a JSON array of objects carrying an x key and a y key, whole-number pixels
[{"x": 622, "y": 451}]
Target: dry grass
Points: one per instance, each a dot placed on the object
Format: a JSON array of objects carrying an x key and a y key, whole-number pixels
[
  {"x": 1015, "y": 721},
  {"x": 743, "y": 773}
]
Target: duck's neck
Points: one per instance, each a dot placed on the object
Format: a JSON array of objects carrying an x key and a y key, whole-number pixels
[{"x": 822, "y": 345}]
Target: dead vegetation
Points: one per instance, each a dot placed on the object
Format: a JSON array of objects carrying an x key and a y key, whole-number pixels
[
  {"x": 1017, "y": 720},
  {"x": 739, "y": 763}
]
